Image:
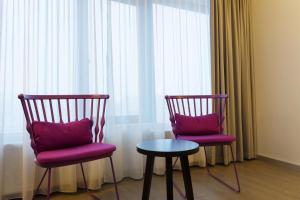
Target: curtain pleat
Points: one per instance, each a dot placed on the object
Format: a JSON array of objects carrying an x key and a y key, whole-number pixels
[{"x": 232, "y": 73}]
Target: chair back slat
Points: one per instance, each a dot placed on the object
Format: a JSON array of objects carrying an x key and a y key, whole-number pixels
[
  {"x": 171, "y": 106},
  {"x": 36, "y": 110},
  {"x": 201, "y": 112},
  {"x": 30, "y": 110},
  {"x": 195, "y": 108},
  {"x": 206, "y": 105},
  {"x": 182, "y": 104},
  {"x": 76, "y": 110},
  {"x": 189, "y": 106},
  {"x": 177, "y": 106},
  {"x": 68, "y": 109},
  {"x": 27, "y": 115},
  {"x": 92, "y": 109},
  {"x": 51, "y": 110},
  {"x": 97, "y": 126},
  {"x": 44, "y": 112},
  {"x": 102, "y": 122},
  {"x": 59, "y": 110},
  {"x": 189, "y": 109},
  {"x": 84, "y": 102}
]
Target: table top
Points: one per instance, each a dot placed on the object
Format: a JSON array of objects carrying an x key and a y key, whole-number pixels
[{"x": 167, "y": 147}]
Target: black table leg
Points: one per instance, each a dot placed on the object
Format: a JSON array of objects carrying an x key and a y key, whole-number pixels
[
  {"x": 187, "y": 177},
  {"x": 148, "y": 177},
  {"x": 169, "y": 178}
]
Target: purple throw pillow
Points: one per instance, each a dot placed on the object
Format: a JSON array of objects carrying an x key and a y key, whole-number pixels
[
  {"x": 51, "y": 136},
  {"x": 198, "y": 125}
]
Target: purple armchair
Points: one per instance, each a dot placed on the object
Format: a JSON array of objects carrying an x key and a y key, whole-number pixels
[
  {"x": 200, "y": 118},
  {"x": 66, "y": 130}
]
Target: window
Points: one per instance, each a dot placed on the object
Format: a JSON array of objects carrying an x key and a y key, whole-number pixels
[
  {"x": 135, "y": 50},
  {"x": 182, "y": 49}
]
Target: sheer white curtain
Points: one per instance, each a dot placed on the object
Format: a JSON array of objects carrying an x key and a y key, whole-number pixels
[{"x": 135, "y": 50}]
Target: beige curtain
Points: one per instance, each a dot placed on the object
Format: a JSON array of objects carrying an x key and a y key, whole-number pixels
[{"x": 232, "y": 73}]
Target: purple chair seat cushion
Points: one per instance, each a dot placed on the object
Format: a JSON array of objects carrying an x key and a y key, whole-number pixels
[
  {"x": 51, "y": 136},
  {"x": 209, "y": 140},
  {"x": 73, "y": 155},
  {"x": 198, "y": 125}
]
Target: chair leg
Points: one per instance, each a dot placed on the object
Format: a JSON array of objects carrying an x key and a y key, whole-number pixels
[
  {"x": 175, "y": 185},
  {"x": 49, "y": 184},
  {"x": 235, "y": 170},
  {"x": 221, "y": 181},
  {"x": 38, "y": 187},
  {"x": 84, "y": 179},
  {"x": 114, "y": 177},
  {"x": 206, "y": 160},
  {"x": 85, "y": 184},
  {"x": 175, "y": 162}
]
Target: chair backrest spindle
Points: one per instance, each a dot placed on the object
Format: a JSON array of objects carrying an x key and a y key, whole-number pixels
[
  {"x": 36, "y": 110},
  {"x": 30, "y": 110},
  {"x": 68, "y": 110},
  {"x": 195, "y": 109},
  {"x": 76, "y": 110},
  {"x": 84, "y": 113},
  {"x": 59, "y": 110},
  {"x": 92, "y": 108},
  {"x": 44, "y": 112}
]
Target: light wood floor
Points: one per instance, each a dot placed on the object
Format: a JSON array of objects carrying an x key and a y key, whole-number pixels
[{"x": 260, "y": 180}]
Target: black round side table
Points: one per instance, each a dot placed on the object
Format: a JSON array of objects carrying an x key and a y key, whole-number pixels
[{"x": 168, "y": 148}]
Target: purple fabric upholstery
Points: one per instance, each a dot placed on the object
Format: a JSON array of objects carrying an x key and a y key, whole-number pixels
[
  {"x": 198, "y": 125},
  {"x": 73, "y": 155},
  {"x": 51, "y": 136},
  {"x": 209, "y": 140}
]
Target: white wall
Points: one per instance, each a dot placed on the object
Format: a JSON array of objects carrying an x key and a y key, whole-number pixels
[{"x": 276, "y": 31}]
